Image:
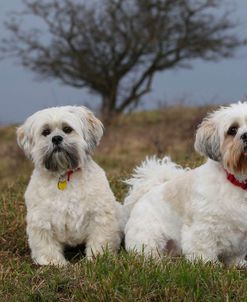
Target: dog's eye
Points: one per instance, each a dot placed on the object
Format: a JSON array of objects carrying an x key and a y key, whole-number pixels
[
  {"x": 232, "y": 131},
  {"x": 67, "y": 129},
  {"x": 46, "y": 132}
]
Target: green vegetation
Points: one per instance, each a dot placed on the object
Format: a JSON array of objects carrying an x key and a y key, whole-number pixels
[{"x": 123, "y": 277}]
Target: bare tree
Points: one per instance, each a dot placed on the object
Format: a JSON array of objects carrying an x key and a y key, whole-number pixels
[{"x": 115, "y": 47}]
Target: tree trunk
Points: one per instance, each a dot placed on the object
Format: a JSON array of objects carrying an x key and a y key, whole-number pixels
[{"x": 108, "y": 109}]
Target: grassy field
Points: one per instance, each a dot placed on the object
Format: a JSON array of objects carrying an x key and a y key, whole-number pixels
[{"x": 124, "y": 277}]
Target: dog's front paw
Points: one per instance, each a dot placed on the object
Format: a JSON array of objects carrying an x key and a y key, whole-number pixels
[
  {"x": 241, "y": 263},
  {"x": 92, "y": 253},
  {"x": 49, "y": 260}
]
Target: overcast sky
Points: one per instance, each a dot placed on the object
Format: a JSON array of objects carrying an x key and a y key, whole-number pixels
[{"x": 207, "y": 82}]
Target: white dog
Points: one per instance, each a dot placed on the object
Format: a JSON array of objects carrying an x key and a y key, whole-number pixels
[
  {"x": 201, "y": 213},
  {"x": 68, "y": 198}
]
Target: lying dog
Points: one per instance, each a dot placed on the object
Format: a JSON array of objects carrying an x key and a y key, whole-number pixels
[
  {"x": 68, "y": 199},
  {"x": 201, "y": 213}
]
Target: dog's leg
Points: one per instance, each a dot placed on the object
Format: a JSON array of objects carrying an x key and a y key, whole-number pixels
[
  {"x": 139, "y": 240},
  {"x": 44, "y": 249},
  {"x": 199, "y": 243},
  {"x": 145, "y": 231},
  {"x": 104, "y": 234}
]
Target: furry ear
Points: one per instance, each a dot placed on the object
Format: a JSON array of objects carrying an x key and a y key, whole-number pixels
[
  {"x": 95, "y": 130},
  {"x": 92, "y": 127},
  {"x": 207, "y": 140},
  {"x": 24, "y": 140}
]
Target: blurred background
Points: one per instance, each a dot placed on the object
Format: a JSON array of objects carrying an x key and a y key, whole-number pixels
[
  {"x": 128, "y": 34},
  {"x": 150, "y": 69}
]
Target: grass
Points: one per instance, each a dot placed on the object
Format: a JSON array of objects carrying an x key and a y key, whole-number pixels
[{"x": 123, "y": 277}]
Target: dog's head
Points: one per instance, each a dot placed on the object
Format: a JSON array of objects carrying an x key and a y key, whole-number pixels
[
  {"x": 222, "y": 136},
  {"x": 59, "y": 138}
]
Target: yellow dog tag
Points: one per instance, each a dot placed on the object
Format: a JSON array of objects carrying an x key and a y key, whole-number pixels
[{"x": 62, "y": 184}]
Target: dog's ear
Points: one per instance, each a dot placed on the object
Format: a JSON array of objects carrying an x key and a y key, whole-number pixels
[
  {"x": 207, "y": 140},
  {"x": 24, "y": 140},
  {"x": 95, "y": 131},
  {"x": 92, "y": 128}
]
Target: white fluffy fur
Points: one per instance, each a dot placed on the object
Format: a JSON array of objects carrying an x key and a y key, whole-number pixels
[
  {"x": 86, "y": 211},
  {"x": 151, "y": 172},
  {"x": 198, "y": 212}
]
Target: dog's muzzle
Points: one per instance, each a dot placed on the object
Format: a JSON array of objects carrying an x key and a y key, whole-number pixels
[{"x": 62, "y": 158}]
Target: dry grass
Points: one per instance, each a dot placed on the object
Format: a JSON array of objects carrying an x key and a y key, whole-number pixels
[{"x": 131, "y": 138}]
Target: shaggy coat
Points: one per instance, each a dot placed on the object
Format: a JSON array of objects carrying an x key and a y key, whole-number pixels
[
  {"x": 199, "y": 212},
  {"x": 68, "y": 198}
]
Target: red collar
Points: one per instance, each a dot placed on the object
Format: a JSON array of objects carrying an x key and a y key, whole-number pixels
[
  {"x": 236, "y": 182},
  {"x": 70, "y": 172}
]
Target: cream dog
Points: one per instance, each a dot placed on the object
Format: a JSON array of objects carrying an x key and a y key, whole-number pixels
[
  {"x": 68, "y": 198},
  {"x": 201, "y": 213}
]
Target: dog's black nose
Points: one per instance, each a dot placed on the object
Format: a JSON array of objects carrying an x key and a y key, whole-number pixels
[
  {"x": 57, "y": 139},
  {"x": 244, "y": 137}
]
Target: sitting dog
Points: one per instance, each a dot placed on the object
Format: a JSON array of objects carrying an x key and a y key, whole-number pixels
[
  {"x": 68, "y": 199},
  {"x": 201, "y": 213}
]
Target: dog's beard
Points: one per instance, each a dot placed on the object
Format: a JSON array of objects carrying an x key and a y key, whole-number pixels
[{"x": 61, "y": 158}]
